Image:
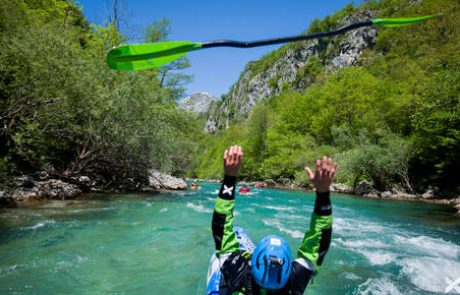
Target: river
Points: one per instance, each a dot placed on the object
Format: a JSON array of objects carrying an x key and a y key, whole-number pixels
[{"x": 161, "y": 244}]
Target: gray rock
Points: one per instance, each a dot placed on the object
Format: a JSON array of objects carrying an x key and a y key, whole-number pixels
[
  {"x": 364, "y": 187},
  {"x": 270, "y": 182},
  {"x": 23, "y": 181},
  {"x": 49, "y": 189},
  {"x": 284, "y": 181},
  {"x": 354, "y": 43},
  {"x": 252, "y": 87},
  {"x": 403, "y": 196},
  {"x": 160, "y": 180},
  {"x": 386, "y": 194},
  {"x": 443, "y": 201},
  {"x": 84, "y": 179},
  {"x": 210, "y": 126},
  {"x": 43, "y": 175},
  {"x": 341, "y": 188},
  {"x": 395, "y": 191},
  {"x": 455, "y": 201},
  {"x": 429, "y": 194},
  {"x": 57, "y": 189},
  {"x": 198, "y": 102}
]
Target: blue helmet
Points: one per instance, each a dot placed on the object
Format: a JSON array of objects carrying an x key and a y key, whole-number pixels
[{"x": 271, "y": 263}]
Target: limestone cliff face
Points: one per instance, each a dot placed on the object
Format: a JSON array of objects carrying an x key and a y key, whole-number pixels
[
  {"x": 341, "y": 51},
  {"x": 197, "y": 102}
]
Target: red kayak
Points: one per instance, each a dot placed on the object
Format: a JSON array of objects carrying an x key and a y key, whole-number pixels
[{"x": 245, "y": 190}]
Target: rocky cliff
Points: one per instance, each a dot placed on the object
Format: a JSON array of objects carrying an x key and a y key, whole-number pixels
[
  {"x": 41, "y": 186},
  {"x": 291, "y": 68},
  {"x": 197, "y": 102}
]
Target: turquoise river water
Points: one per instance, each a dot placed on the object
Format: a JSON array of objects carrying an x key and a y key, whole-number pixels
[{"x": 161, "y": 244}]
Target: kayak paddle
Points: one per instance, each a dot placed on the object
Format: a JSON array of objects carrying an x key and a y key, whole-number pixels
[{"x": 152, "y": 55}]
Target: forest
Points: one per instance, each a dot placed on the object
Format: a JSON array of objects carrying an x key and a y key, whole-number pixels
[
  {"x": 64, "y": 112},
  {"x": 393, "y": 119}
]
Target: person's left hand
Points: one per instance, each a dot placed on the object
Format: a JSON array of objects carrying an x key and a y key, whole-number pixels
[
  {"x": 233, "y": 158},
  {"x": 325, "y": 171}
]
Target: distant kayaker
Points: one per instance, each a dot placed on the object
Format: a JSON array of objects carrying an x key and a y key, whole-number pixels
[
  {"x": 270, "y": 267},
  {"x": 194, "y": 186},
  {"x": 260, "y": 185},
  {"x": 244, "y": 189}
]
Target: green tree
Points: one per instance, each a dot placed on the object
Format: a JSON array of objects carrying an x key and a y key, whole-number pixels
[
  {"x": 437, "y": 126},
  {"x": 384, "y": 162},
  {"x": 64, "y": 111},
  {"x": 171, "y": 76},
  {"x": 396, "y": 110}
]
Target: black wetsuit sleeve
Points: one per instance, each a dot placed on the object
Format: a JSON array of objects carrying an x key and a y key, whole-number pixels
[
  {"x": 298, "y": 281},
  {"x": 317, "y": 239},
  {"x": 222, "y": 219},
  {"x": 314, "y": 246},
  {"x": 235, "y": 268}
]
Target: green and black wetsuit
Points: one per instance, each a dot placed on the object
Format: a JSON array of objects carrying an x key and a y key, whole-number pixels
[{"x": 237, "y": 278}]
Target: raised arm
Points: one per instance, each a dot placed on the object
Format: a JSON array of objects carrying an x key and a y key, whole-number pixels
[
  {"x": 222, "y": 219},
  {"x": 317, "y": 239}
]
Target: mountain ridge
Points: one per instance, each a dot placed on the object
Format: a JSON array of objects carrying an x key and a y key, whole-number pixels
[
  {"x": 197, "y": 102},
  {"x": 291, "y": 69}
]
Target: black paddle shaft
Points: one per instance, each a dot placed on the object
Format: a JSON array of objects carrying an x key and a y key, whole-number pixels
[{"x": 231, "y": 43}]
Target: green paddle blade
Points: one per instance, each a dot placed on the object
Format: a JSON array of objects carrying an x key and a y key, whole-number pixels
[
  {"x": 147, "y": 56},
  {"x": 404, "y": 21}
]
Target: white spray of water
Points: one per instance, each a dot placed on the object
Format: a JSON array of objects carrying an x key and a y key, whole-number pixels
[{"x": 199, "y": 208}]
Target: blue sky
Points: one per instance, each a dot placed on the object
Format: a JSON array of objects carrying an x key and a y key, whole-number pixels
[{"x": 216, "y": 70}]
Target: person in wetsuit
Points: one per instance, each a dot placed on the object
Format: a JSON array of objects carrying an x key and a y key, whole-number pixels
[{"x": 270, "y": 268}]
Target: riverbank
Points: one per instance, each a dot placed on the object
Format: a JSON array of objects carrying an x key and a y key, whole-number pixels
[
  {"x": 363, "y": 189},
  {"x": 41, "y": 186}
]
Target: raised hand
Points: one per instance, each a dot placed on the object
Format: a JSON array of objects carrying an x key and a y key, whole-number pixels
[
  {"x": 325, "y": 171},
  {"x": 233, "y": 158}
]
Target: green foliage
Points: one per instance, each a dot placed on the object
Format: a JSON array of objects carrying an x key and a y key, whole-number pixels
[
  {"x": 255, "y": 140},
  {"x": 6, "y": 168},
  {"x": 310, "y": 72},
  {"x": 273, "y": 83},
  {"x": 171, "y": 76},
  {"x": 261, "y": 65},
  {"x": 157, "y": 31},
  {"x": 384, "y": 162},
  {"x": 346, "y": 98},
  {"x": 287, "y": 153},
  {"x": 393, "y": 119},
  {"x": 437, "y": 126},
  {"x": 330, "y": 22},
  {"x": 212, "y": 148},
  {"x": 63, "y": 110}
]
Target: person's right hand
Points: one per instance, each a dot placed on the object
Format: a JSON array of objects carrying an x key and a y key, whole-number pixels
[
  {"x": 325, "y": 171},
  {"x": 233, "y": 158}
]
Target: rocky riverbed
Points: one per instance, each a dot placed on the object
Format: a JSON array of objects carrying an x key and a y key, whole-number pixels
[
  {"x": 43, "y": 187},
  {"x": 364, "y": 189},
  {"x": 28, "y": 188}
]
